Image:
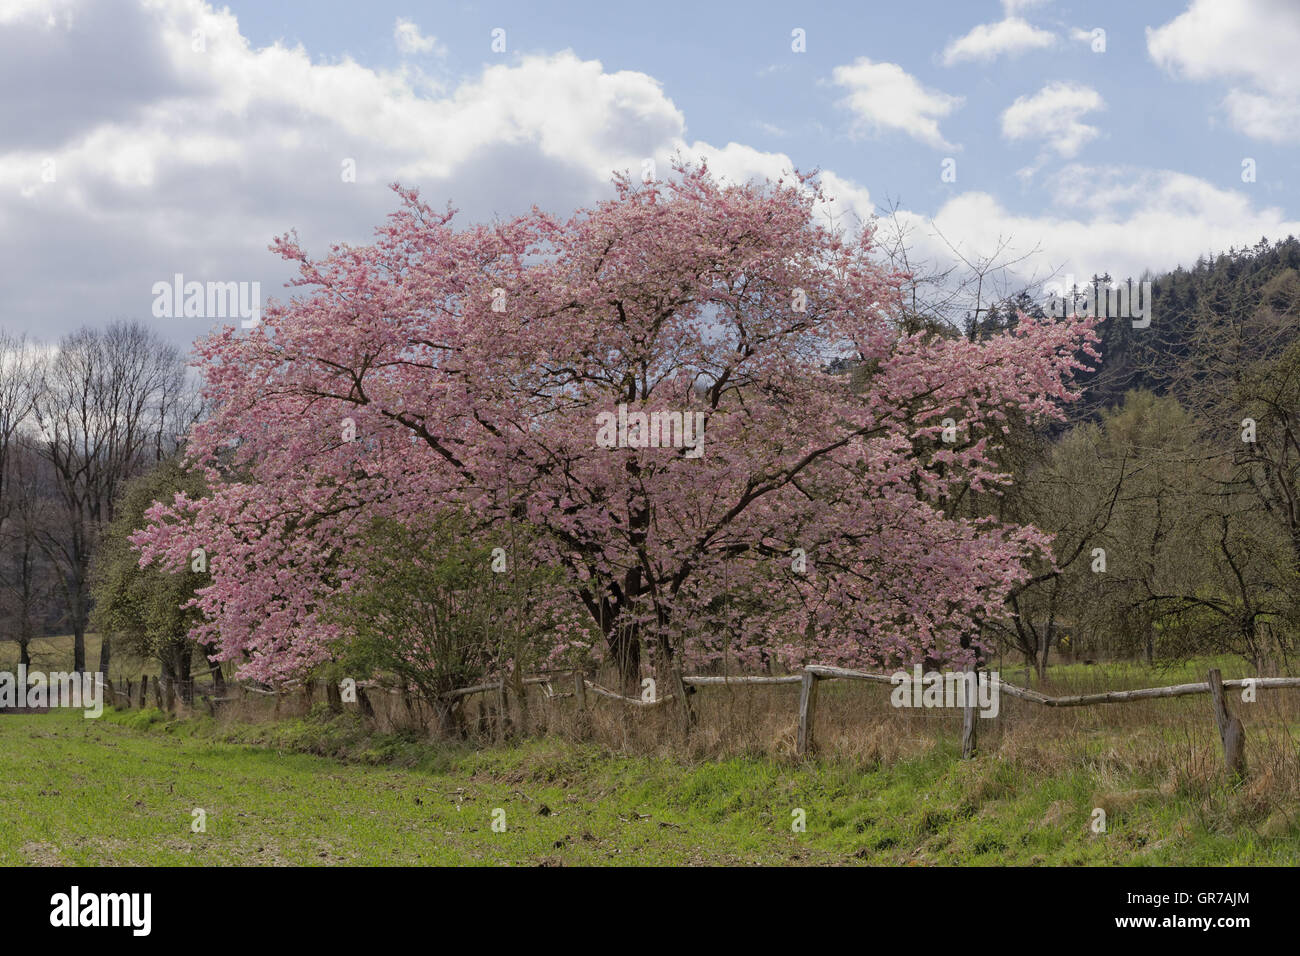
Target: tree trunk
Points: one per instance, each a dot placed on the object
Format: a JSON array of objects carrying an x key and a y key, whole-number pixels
[
  {"x": 105, "y": 652},
  {"x": 681, "y": 693},
  {"x": 76, "y": 592},
  {"x": 447, "y": 714},
  {"x": 412, "y": 709},
  {"x": 521, "y": 699},
  {"x": 625, "y": 649},
  {"x": 218, "y": 677},
  {"x": 363, "y": 700},
  {"x": 78, "y": 643},
  {"x": 503, "y": 712},
  {"x": 1049, "y": 633},
  {"x": 174, "y": 669},
  {"x": 184, "y": 657}
]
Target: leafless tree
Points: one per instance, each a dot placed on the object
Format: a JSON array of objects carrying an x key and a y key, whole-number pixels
[
  {"x": 17, "y": 395},
  {"x": 111, "y": 403},
  {"x": 18, "y": 363},
  {"x": 952, "y": 288},
  {"x": 28, "y": 581}
]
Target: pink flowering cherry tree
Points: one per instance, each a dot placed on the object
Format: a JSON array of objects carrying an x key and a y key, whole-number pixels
[{"x": 779, "y": 508}]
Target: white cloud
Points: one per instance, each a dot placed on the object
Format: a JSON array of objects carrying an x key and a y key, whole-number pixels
[
  {"x": 1115, "y": 219},
  {"x": 48, "y": 13},
  {"x": 409, "y": 39},
  {"x": 1265, "y": 116},
  {"x": 192, "y": 161},
  {"x": 884, "y": 97},
  {"x": 1053, "y": 117},
  {"x": 849, "y": 203},
  {"x": 1250, "y": 43},
  {"x": 988, "y": 41}
]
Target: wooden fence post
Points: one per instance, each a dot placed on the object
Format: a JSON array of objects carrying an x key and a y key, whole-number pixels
[
  {"x": 807, "y": 711},
  {"x": 1231, "y": 732},
  {"x": 144, "y": 690},
  {"x": 503, "y": 711},
  {"x": 580, "y": 690},
  {"x": 685, "y": 714},
  {"x": 968, "y": 719}
]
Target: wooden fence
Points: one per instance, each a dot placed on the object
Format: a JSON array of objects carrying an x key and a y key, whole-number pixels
[
  {"x": 1229, "y": 726},
  {"x": 1231, "y": 732}
]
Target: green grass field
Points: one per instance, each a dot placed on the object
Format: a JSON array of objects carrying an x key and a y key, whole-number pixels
[{"x": 121, "y": 790}]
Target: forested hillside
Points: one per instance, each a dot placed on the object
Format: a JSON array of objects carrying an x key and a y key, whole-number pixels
[
  {"x": 1191, "y": 308},
  {"x": 1173, "y": 489}
]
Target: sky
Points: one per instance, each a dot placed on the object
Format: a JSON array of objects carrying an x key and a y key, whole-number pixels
[{"x": 141, "y": 139}]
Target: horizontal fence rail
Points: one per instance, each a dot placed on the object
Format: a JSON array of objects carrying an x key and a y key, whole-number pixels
[
  {"x": 1145, "y": 693},
  {"x": 1230, "y": 729}
]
